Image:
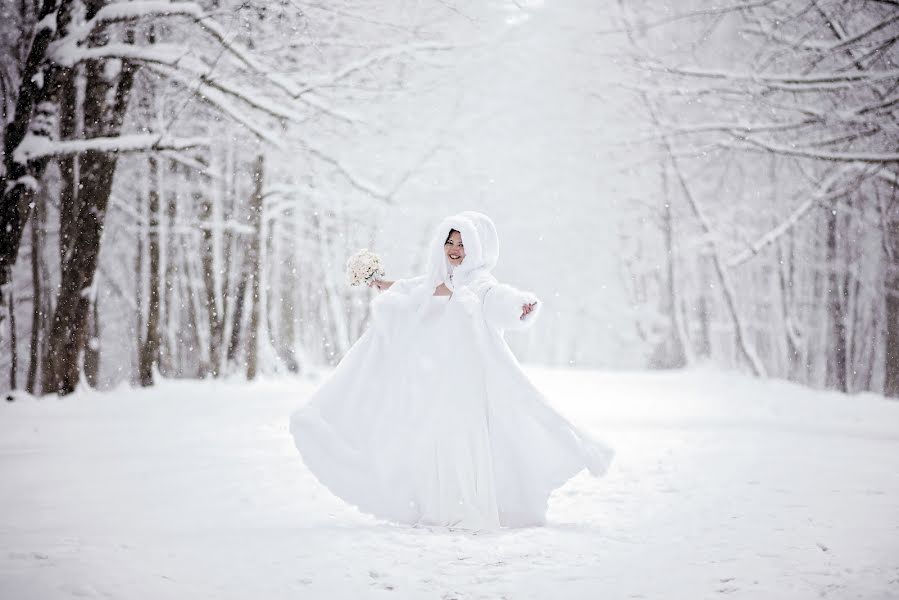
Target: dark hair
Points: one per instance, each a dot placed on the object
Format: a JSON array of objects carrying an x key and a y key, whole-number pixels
[{"x": 450, "y": 234}]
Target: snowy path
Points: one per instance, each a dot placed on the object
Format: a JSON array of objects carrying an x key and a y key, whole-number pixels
[{"x": 722, "y": 487}]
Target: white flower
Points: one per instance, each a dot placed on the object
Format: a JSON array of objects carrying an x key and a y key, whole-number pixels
[{"x": 362, "y": 267}]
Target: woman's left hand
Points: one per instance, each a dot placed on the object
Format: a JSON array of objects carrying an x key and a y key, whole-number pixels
[
  {"x": 381, "y": 284},
  {"x": 526, "y": 309}
]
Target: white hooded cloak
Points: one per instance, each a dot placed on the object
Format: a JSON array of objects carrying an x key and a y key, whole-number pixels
[{"x": 429, "y": 418}]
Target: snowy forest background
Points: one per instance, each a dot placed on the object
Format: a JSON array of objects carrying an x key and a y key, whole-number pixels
[{"x": 682, "y": 183}]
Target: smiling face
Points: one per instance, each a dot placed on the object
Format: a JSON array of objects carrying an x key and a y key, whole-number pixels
[{"x": 453, "y": 248}]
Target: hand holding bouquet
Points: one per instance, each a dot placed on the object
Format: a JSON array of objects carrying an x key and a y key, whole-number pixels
[{"x": 363, "y": 268}]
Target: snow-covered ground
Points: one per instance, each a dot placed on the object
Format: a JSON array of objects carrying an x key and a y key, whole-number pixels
[{"x": 722, "y": 487}]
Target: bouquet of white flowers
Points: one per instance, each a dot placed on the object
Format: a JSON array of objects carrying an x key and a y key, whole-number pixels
[{"x": 363, "y": 267}]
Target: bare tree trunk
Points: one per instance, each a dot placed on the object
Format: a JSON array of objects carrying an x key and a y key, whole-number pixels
[
  {"x": 336, "y": 317},
  {"x": 704, "y": 347},
  {"x": 14, "y": 351},
  {"x": 836, "y": 363},
  {"x": 138, "y": 289},
  {"x": 237, "y": 274},
  {"x": 234, "y": 340},
  {"x": 785, "y": 277},
  {"x": 67, "y": 335},
  {"x": 105, "y": 103},
  {"x": 210, "y": 236},
  {"x": 213, "y": 305},
  {"x": 92, "y": 346},
  {"x": 229, "y": 258},
  {"x": 149, "y": 355},
  {"x": 69, "y": 107},
  {"x": 741, "y": 336},
  {"x": 37, "y": 320},
  {"x": 168, "y": 344},
  {"x": 196, "y": 357},
  {"x": 35, "y": 114},
  {"x": 287, "y": 301},
  {"x": 674, "y": 351},
  {"x": 71, "y": 127},
  {"x": 891, "y": 288},
  {"x": 255, "y": 268}
]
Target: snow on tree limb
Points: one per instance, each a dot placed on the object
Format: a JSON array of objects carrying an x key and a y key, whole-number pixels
[
  {"x": 848, "y": 41},
  {"x": 197, "y": 166},
  {"x": 247, "y": 95},
  {"x": 17, "y": 181},
  {"x": 730, "y": 295},
  {"x": 796, "y": 80},
  {"x": 380, "y": 55},
  {"x": 176, "y": 62},
  {"x": 824, "y": 193},
  {"x": 37, "y": 146},
  {"x": 222, "y": 101},
  {"x": 69, "y": 51},
  {"x": 716, "y": 11},
  {"x": 742, "y": 334},
  {"x": 736, "y": 129},
  {"x": 120, "y": 12},
  {"x": 889, "y": 176},
  {"x": 869, "y": 157},
  {"x": 47, "y": 23},
  {"x": 357, "y": 181},
  {"x": 183, "y": 66},
  {"x": 319, "y": 103},
  {"x": 808, "y": 99},
  {"x": 818, "y": 45}
]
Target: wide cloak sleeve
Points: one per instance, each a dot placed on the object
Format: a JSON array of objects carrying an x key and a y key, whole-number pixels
[{"x": 503, "y": 305}]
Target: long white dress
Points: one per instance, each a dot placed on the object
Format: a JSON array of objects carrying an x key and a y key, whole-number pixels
[{"x": 429, "y": 419}]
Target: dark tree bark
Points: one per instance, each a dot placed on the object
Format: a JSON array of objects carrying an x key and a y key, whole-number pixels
[
  {"x": 237, "y": 321},
  {"x": 214, "y": 312},
  {"x": 69, "y": 108},
  {"x": 105, "y": 103},
  {"x": 38, "y": 318},
  {"x": 14, "y": 351},
  {"x": 836, "y": 363},
  {"x": 139, "y": 297},
  {"x": 149, "y": 354},
  {"x": 92, "y": 346},
  {"x": 70, "y": 118},
  {"x": 33, "y": 114},
  {"x": 169, "y": 313},
  {"x": 255, "y": 268},
  {"x": 891, "y": 287}
]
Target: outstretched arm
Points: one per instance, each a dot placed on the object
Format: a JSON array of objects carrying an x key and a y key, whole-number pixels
[
  {"x": 508, "y": 308},
  {"x": 402, "y": 286}
]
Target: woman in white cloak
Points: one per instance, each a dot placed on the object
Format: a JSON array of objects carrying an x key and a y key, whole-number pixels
[{"x": 429, "y": 419}]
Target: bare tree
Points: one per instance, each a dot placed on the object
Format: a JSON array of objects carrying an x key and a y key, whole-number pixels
[
  {"x": 800, "y": 130},
  {"x": 105, "y": 91}
]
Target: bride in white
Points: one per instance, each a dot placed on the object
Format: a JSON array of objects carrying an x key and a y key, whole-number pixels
[{"x": 429, "y": 419}]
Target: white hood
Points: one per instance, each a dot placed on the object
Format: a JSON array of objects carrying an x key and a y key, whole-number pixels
[{"x": 481, "y": 250}]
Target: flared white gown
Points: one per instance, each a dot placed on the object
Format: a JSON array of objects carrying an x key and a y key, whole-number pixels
[{"x": 429, "y": 419}]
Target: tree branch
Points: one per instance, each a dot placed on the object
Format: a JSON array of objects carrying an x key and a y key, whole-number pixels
[
  {"x": 868, "y": 157},
  {"x": 36, "y": 146},
  {"x": 824, "y": 193}
]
